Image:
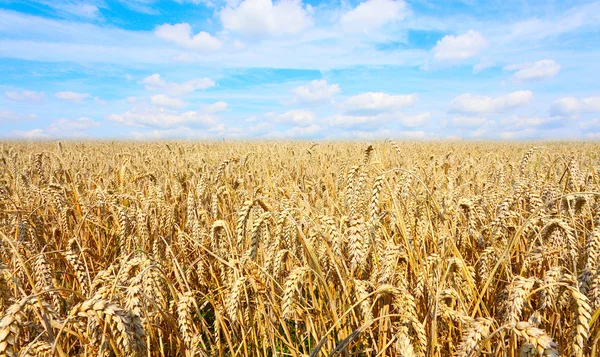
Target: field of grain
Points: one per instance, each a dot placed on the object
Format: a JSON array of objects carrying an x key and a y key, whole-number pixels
[{"x": 298, "y": 249}]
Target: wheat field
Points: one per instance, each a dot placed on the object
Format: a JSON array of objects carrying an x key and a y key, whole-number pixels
[{"x": 299, "y": 249}]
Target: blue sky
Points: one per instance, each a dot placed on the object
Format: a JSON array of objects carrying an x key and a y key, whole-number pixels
[{"x": 423, "y": 69}]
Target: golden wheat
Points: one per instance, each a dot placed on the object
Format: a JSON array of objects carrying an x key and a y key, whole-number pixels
[{"x": 299, "y": 249}]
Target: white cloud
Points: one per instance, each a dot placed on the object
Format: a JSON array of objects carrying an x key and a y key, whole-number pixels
[
  {"x": 590, "y": 124},
  {"x": 572, "y": 19},
  {"x": 262, "y": 127},
  {"x": 131, "y": 99},
  {"x": 380, "y": 134},
  {"x": 296, "y": 132},
  {"x": 361, "y": 134},
  {"x": 261, "y": 18},
  {"x": 71, "y": 127},
  {"x": 571, "y": 106},
  {"x": 371, "y": 121},
  {"x": 518, "y": 134},
  {"x": 464, "y": 121},
  {"x": 377, "y": 102},
  {"x": 26, "y": 96},
  {"x": 215, "y": 107},
  {"x": 99, "y": 101},
  {"x": 80, "y": 9},
  {"x": 296, "y": 117},
  {"x": 373, "y": 14},
  {"x": 452, "y": 47},
  {"x": 593, "y": 136},
  {"x": 182, "y": 132},
  {"x": 62, "y": 128},
  {"x": 68, "y": 8},
  {"x": 566, "y": 106},
  {"x": 142, "y": 6},
  {"x": 353, "y": 121},
  {"x": 415, "y": 120},
  {"x": 10, "y": 116},
  {"x": 30, "y": 38},
  {"x": 517, "y": 122},
  {"x": 155, "y": 82},
  {"x": 185, "y": 57},
  {"x": 78, "y": 98},
  {"x": 165, "y": 101},
  {"x": 31, "y": 134},
  {"x": 536, "y": 71},
  {"x": 316, "y": 92},
  {"x": 478, "y": 132},
  {"x": 417, "y": 134},
  {"x": 483, "y": 64},
  {"x": 163, "y": 118},
  {"x": 181, "y": 34},
  {"x": 238, "y": 45},
  {"x": 473, "y": 103}
]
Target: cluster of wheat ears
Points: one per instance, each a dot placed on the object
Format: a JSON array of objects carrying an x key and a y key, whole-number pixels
[{"x": 299, "y": 249}]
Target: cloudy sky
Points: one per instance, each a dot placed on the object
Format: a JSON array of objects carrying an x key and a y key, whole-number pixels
[{"x": 299, "y": 69}]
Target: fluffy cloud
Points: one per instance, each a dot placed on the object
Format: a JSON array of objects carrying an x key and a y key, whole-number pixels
[
  {"x": 260, "y": 128},
  {"x": 366, "y": 121},
  {"x": 62, "y": 128},
  {"x": 517, "y": 122},
  {"x": 452, "y": 47},
  {"x": 473, "y": 103},
  {"x": 215, "y": 107},
  {"x": 572, "y": 19},
  {"x": 74, "y": 97},
  {"x": 10, "y": 116},
  {"x": 296, "y": 117},
  {"x": 182, "y": 35},
  {"x": 414, "y": 134},
  {"x": 381, "y": 134},
  {"x": 99, "y": 101},
  {"x": 296, "y": 132},
  {"x": 70, "y": 8},
  {"x": 377, "y": 102},
  {"x": 518, "y": 134},
  {"x": 536, "y": 71},
  {"x": 571, "y": 106},
  {"x": 590, "y": 124},
  {"x": 483, "y": 64},
  {"x": 31, "y": 134},
  {"x": 372, "y": 14},
  {"x": 26, "y": 96},
  {"x": 415, "y": 120},
  {"x": 155, "y": 82},
  {"x": 316, "y": 92},
  {"x": 165, "y": 101},
  {"x": 29, "y": 38},
  {"x": 361, "y": 134},
  {"x": 356, "y": 121},
  {"x": 163, "y": 118},
  {"x": 80, "y": 9},
  {"x": 593, "y": 136},
  {"x": 182, "y": 132},
  {"x": 71, "y": 127},
  {"x": 464, "y": 121},
  {"x": 371, "y": 110},
  {"x": 261, "y": 18}
]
